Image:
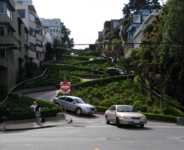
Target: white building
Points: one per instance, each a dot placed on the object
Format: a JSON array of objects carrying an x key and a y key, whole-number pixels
[
  {"x": 29, "y": 15},
  {"x": 54, "y": 27},
  {"x": 139, "y": 34}
]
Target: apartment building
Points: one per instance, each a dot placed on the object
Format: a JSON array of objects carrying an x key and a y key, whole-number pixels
[
  {"x": 54, "y": 27},
  {"x": 13, "y": 42},
  {"x": 27, "y": 11},
  {"x": 139, "y": 34}
]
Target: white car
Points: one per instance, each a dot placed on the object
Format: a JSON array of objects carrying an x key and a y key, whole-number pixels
[
  {"x": 124, "y": 115},
  {"x": 74, "y": 104}
]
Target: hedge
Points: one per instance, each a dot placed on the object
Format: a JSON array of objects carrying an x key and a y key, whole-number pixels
[
  {"x": 161, "y": 117},
  {"x": 18, "y": 108},
  {"x": 73, "y": 67},
  {"x": 102, "y": 81},
  {"x": 150, "y": 116},
  {"x": 101, "y": 109}
]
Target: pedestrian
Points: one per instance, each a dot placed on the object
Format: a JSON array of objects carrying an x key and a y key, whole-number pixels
[
  {"x": 3, "y": 120},
  {"x": 37, "y": 111}
]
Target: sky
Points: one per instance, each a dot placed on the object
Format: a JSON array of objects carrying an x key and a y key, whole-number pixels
[{"x": 83, "y": 17}]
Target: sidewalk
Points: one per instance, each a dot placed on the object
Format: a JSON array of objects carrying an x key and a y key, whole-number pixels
[{"x": 59, "y": 120}]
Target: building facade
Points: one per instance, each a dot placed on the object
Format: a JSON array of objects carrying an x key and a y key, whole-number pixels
[
  {"x": 36, "y": 50},
  {"x": 13, "y": 40},
  {"x": 54, "y": 27}
]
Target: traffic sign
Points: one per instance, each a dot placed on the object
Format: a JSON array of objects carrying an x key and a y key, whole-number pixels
[{"x": 65, "y": 87}]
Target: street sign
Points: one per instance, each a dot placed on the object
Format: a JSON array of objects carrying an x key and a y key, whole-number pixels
[{"x": 65, "y": 87}]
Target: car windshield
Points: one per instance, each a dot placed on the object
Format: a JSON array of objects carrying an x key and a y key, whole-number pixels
[
  {"x": 125, "y": 109},
  {"x": 78, "y": 100}
]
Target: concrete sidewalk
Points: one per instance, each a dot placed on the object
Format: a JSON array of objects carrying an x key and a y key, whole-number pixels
[{"x": 59, "y": 120}]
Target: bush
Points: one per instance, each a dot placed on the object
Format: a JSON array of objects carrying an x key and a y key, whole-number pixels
[
  {"x": 161, "y": 117},
  {"x": 18, "y": 108},
  {"x": 172, "y": 111},
  {"x": 101, "y": 108}
]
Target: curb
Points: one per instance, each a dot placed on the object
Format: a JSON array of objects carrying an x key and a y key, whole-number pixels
[
  {"x": 31, "y": 124},
  {"x": 30, "y": 128}
]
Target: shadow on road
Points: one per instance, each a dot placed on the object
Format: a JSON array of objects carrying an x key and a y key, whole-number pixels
[
  {"x": 83, "y": 116},
  {"x": 131, "y": 127}
]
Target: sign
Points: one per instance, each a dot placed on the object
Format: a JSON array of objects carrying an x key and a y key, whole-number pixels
[{"x": 65, "y": 87}]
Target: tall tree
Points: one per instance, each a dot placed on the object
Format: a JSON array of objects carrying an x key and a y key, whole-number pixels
[
  {"x": 143, "y": 4},
  {"x": 173, "y": 48}
]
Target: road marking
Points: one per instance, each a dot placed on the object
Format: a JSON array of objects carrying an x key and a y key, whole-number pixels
[{"x": 96, "y": 148}]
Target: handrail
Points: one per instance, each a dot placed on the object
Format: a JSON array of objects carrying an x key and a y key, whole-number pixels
[{"x": 21, "y": 83}]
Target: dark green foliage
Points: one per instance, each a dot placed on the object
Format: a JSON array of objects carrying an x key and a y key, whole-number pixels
[
  {"x": 173, "y": 50},
  {"x": 143, "y": 4},
  {"x": 159, "y": 117},
  {"x": 116, "y": 91},
  {"x": 18, "y": 108},
  {"x": 159, "y": 62}
]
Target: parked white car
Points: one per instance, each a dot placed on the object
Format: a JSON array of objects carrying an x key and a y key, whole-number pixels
[{"x": 124, "y": 115}]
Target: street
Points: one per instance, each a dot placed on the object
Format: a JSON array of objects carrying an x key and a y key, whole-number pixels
[{"x": 91, "y": 133}]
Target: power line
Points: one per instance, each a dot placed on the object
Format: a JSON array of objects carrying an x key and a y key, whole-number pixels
[{"x": 132, "y": 43}]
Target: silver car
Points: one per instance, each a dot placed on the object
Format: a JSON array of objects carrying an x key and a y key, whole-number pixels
[
  {"x": 74, "y": 104},
  {"x": 124, "y": 115}
]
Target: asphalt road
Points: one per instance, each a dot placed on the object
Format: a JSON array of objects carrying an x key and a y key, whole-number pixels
[{"x": 92, "y": 133}]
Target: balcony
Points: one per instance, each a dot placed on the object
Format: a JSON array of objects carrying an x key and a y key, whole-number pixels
[
  {"x": 32, "y": 39},
  {"x": 9, "y": 41},
  {"x": 4, "y": 19},
  {"x": 39, "y": 49},
  {"x": 39, "y": 37},
  {"x": 31, "y": 54}
]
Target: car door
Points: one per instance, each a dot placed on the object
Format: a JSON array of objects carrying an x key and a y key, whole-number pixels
[
  {"x": 69, "y": 103},
  {"x": 112, "y": 113},
  {"x": 73, "y": 104},
  {"x": 62, "y": 102}
]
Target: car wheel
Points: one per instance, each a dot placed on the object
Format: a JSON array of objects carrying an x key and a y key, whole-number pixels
[
  {"x": 107, "y": 121},
  {"x": 117, "y": 122},
  {"x": 78, "y": 111},
  {"x": 141, "y": 125}
]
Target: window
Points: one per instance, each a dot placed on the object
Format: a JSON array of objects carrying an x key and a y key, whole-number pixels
[
  {"x": 2, "y": 31},
  {"x": 22, "y": 13},
  {"x": 2, "y": 8},
  {"x": 112, "y": 108},
  {"x": 136, "y": 18},
  {"x": 69, "y": 100},
  {"x": 32, "y": 17}
]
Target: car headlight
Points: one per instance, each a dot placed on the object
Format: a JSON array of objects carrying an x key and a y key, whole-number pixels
[{"x": 143, "y": 118}]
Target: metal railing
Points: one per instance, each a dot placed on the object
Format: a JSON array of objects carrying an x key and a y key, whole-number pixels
[{"x": 20, "y": 84}]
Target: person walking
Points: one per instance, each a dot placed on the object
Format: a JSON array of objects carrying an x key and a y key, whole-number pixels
[{"x": 37, "y": 111}]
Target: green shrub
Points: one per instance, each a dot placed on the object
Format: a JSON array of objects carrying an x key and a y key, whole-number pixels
[
  {"x": 159, "y": 117},
  {"x": 172, "y": 111},
  {"x": 101, "y": 108},
  {"x": 18, "y": 108}
]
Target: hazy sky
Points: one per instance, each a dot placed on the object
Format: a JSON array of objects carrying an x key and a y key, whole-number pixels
[{"x": 83, "y": 17}]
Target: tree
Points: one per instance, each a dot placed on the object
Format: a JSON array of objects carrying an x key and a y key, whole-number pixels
[
  {"x": 64, "y": 42},
  {"x": 143, "y": 4},
  {"x": 155, "y": 4},
  {"x": 173, "y": 49}
]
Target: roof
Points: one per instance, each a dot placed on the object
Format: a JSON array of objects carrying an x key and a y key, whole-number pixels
[{"x": 73, "y": 97}]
